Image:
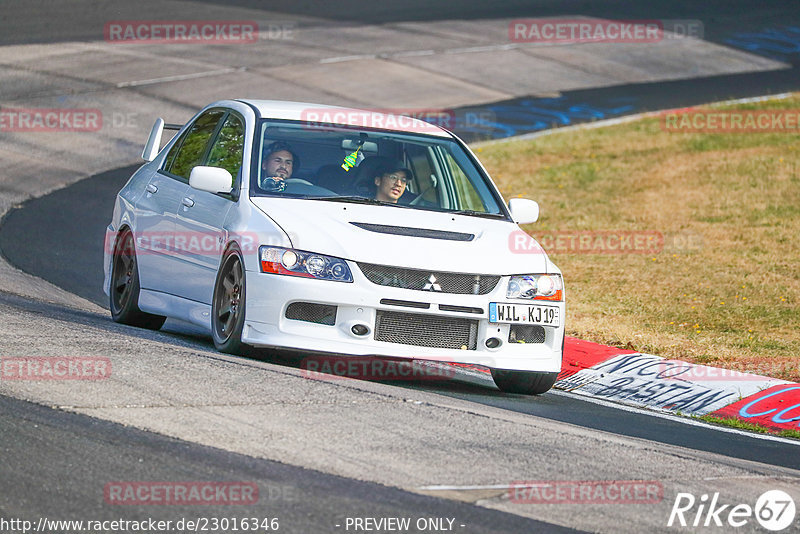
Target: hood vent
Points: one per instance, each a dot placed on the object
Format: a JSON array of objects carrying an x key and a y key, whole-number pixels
[{"x": 415, "y": 232}]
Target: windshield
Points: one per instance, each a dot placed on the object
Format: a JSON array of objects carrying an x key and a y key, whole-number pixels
[{"x": 329, "y": 163}]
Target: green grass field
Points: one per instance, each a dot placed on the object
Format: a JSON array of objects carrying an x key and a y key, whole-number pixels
[{"x": 725, "y": 287}]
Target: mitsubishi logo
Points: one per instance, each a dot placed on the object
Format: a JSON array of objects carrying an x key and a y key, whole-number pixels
[{"x": 432, "y": 285}]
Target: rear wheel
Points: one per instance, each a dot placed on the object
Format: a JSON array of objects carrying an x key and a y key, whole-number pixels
[
  {"x": 524, "y": 382},
  {"x": 227, "y": 309},
  {"x": 124, "y": 291}
]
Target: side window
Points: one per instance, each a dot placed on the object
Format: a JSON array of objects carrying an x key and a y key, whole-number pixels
[
  {"x": 228, "y": 147},
  {"x": 419, "y": 158},
  {"x": 191, "y": 152},
  {"x": 467, "y": 197},
  {"x": 173, "y": 152}
]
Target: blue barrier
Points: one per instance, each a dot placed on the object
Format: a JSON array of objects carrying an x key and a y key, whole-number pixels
[
  {"x": 779, "y": 44},
  {"x": 529, "y": 115}
]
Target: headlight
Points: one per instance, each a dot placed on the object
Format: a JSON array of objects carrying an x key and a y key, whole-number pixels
[
  {"x": 536, "y": 287},
  {"x": 291, "y": 262}
]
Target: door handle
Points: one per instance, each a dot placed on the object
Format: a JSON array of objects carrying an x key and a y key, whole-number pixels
[
  {"x": 151, "y": 188},
  {"x": 188, "y": 202}
]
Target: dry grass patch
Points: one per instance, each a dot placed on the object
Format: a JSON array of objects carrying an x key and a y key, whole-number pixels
[{"x": 726, "y": 287}]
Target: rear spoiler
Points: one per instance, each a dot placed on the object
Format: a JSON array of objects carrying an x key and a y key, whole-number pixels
[{"x": 153, "y": 144}]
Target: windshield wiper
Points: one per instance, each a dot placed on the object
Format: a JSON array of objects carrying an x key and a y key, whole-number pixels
[
  {"x": 479, "y": 214},
  {"x": 355, "y": 199}
]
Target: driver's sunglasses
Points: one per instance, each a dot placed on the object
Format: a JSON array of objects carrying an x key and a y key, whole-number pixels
[{"x": 397, "y": 177}]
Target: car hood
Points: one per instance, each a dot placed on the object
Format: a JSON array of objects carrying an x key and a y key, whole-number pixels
[{"x": 378, "y": 234}]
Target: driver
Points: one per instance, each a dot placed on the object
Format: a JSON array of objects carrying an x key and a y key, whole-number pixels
[
  {"x": 391, "y": 179},
  {"x": 277, "y": 166}
]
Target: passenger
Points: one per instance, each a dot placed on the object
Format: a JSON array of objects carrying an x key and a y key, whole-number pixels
[
  {"x": 277, "y": 165},
  {"x": 391, "y": 181}
]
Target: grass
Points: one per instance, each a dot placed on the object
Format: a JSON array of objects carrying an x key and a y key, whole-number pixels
[
  {"x": 725, "y": 288},
  {"x": 731, "y": 422}
]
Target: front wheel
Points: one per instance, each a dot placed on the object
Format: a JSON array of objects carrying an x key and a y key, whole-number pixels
[
  {"x": 524, "y": 382},
  {"x": 228, "y": 305},
  {"x": 124, "y": 291}
]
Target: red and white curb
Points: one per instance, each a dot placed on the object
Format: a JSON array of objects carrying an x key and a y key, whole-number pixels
[
  {"x": 672, "y": 386},
  {"x": 656, "y": 383}
]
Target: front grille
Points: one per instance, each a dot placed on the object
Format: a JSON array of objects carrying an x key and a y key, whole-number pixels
[
  {"x": 419, "y": 280},
  {"x": 526, "y": 333},
  {"x": 312, "y": 313},
  {"x": 426, "y": 330}
]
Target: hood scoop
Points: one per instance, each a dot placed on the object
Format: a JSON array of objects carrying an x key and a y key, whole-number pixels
[{"x": 415, "y": 232}]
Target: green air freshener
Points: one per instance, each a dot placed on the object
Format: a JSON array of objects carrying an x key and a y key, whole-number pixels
[{"x": 350, "y": 160}]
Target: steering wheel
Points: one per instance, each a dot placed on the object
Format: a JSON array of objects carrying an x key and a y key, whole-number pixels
[{"x": 297, "y": 181}]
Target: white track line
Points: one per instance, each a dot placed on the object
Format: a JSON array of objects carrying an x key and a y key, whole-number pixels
[
  {"x": 180, "y": 77},
  {"x": 677, "y": 418}
]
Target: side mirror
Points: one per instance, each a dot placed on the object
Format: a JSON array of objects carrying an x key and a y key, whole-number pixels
[
  {"x": 152, "y": 146},
  {"x": 523, "y": 210},
  {"x": 211, "y": 179}
]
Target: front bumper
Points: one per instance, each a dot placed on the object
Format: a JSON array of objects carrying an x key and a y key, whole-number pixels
[{"x": 359, "y": 303}]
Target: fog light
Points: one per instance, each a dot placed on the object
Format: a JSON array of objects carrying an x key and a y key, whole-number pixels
[
  {"x": 493, "y": 343},
  {"x": 361, "y": 330}
]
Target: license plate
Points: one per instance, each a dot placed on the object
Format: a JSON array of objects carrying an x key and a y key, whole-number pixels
[{"x": 524, "y": 314}]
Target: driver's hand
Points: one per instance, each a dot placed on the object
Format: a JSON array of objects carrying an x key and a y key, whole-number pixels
[{"x": 274, "y": 184}]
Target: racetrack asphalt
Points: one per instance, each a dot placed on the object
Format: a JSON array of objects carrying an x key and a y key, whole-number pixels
[
  {"x": 75, "y": 256},
  {"x": 70, "y": 485}
]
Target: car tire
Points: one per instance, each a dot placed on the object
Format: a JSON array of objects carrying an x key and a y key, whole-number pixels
[
  {"x": 124, "y": 288},
  {"x": 524, "y": 382},
  {"x": 228, "y": 304}
]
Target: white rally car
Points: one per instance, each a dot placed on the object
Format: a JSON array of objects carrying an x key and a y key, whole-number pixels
[{"x": 339, "y": 232}]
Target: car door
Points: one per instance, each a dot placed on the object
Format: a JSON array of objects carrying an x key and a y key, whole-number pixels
[
  {"x": 156, "y": 240},
  {"x": 201, "y": 215}
]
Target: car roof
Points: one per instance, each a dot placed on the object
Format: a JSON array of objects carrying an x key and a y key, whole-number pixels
[{"x": 369, "y": 118}]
